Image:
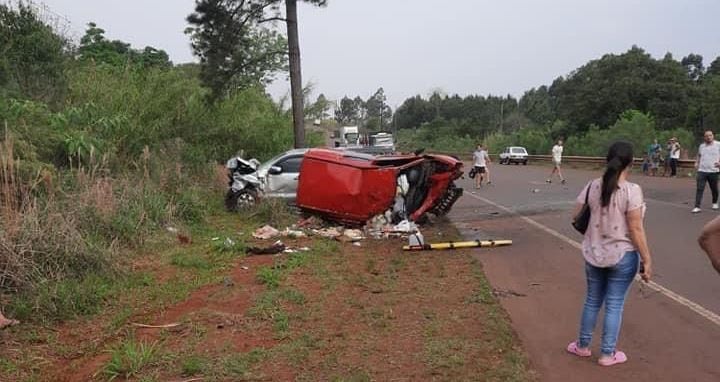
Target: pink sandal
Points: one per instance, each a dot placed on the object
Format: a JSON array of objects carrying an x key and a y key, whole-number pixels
[
  {"x": 617, "y": 358},
  {"x": 574, "y": 349}
]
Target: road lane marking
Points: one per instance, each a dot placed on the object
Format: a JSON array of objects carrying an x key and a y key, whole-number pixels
[{"x": 695, "y": 307}]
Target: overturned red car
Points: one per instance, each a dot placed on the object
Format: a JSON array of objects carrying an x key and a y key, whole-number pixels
[{"x": 353, "y": 187}]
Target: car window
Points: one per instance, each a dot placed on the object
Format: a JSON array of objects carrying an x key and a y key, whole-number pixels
[
  {"x": 518, "y": 150},
  {"x": 290, "y": 165}
]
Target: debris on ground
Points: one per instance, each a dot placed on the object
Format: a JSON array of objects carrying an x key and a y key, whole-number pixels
[
  {"x": 266, "y": 232},
  {"x": 293, "y": 233},
  {"x": 459, "y": 244},
  {"x": 311, "y": 222},
  {"x": 405, "y": 226},
  {"x": 330, "y": 233},
  {"x": 244, "y": 268},
  {"x": 357, "y": 244},
  {"x": 507, "y": 293},
  {"x": 165, "y": 326},
  {"x": 228, "y": 282},
  {"x": 172, "y": 229},
  {"x": 229, "y": 243},
  {"x": 271, "y": 250},
  {"x": 353, "y": 234}
]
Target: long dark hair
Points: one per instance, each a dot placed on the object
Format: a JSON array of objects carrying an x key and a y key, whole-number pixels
[{"x": 619, "y": 156}]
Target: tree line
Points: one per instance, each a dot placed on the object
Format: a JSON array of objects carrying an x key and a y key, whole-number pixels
[{"x": 675, "y": 94}]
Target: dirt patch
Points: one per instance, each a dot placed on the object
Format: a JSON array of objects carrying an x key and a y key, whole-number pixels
[{"x": 338, "y": 312}]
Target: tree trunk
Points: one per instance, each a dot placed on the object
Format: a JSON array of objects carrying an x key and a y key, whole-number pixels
[{"x": 295, "y": 74}]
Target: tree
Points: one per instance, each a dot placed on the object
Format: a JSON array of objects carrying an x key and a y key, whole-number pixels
[
  {"x": 237, "y": 49},
  {"x": 346, "y": 112},
  {"x": 33, "y": 57},
  {"x": 714, "y": 68},
  {"x": 693, "y": 63},
  {"x": 319, "y": 109},
  {"x": 95, "y": 47},
  {"x": 379, "y": 114}
]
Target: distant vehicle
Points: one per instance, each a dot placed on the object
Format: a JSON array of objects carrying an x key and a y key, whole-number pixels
[
  {"x": 377, "y": 144},
  {"x": 514, "y": 154},
  {"x": 347, "y": 136},
  {"x": 353, "y": 187},
  {"x": 250, "y": 181}
]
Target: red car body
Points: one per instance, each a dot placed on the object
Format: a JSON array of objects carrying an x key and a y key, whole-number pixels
[{"x": 354, "y": 187}]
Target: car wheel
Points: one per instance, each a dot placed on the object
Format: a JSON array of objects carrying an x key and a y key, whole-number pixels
[
  {"x": 525, "y": 163},
  {"x": 240, "y": 200},
  {"x": 517, "y": 163}
]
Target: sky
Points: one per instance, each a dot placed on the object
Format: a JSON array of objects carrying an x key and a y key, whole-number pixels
[{"x": 411, "y": 47}]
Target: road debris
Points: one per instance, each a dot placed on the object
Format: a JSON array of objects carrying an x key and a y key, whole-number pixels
[
  {"x": 293, "y": 233},
  {"x": 459, "y": 244},
  {"x": 330, "y": 233},
  {"x": 266, "y": 232},
  {"x": 146, "y": 326},
  {"x": 271, "y": 250},
  {"x": 507, "y": 293}
]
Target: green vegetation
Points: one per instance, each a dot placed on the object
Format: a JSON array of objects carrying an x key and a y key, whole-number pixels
[
  {"x": 129, "y": 359},
  {"x": 102, "y": 147},
  {"x": 631, "y": 96}
]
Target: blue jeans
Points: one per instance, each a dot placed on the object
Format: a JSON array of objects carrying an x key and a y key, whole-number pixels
[{"x": 609, "y": 285}]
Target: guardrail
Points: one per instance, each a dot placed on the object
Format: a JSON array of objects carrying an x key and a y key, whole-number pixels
[{"x": 580, "y": 160}]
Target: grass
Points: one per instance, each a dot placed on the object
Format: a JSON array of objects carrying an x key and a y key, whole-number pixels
[
  {"x": 129, "y": 358},
  {"x": 240, "y": 366},
  {"x": 194, "y": 365}
]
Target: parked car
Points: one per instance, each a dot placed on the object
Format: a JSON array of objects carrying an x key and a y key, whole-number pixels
[
  {"x": 352, "y": 187},
  {"x": 514, "y": 154},
  {"x": 276, "y": 178}
]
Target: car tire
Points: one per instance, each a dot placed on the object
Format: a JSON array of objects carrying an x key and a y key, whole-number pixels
[
  {"x": 525, "y": 163},
  {"x": 240, "y": 200},
  {"x": 517, "y": 163}
]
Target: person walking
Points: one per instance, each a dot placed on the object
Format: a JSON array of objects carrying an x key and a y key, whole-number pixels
[
  {"x": 480, "y": 162},
  {"x": 557, "y": 151},
  {"x": 674, "y": 156},
  {"x": 614, "y": 244},
  {"x": 707, "y": 166}
]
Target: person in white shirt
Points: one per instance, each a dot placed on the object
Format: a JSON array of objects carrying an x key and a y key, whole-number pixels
[
  {"x": 557, "y": 151},
  {"x": 674, "y": 156},
  {"x": 707, "y": 166},
  {"x": 480, "y": 162}
]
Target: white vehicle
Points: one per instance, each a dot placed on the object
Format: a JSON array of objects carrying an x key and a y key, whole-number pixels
[
  {"x": 348, "y": 136},
  {"x": 384, "y": 140},
  {"x": 514, "y": 154},
  {"x": 250, "y": 180}
]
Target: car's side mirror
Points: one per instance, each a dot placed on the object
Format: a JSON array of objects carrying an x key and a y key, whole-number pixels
[{"x": 275, "y": 170}]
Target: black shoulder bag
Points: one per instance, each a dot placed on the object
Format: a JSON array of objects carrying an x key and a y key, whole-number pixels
[{"x": 582, "y": 219}]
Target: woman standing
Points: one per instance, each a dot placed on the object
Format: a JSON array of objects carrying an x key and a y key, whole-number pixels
[{"x": 613, "y": 246}]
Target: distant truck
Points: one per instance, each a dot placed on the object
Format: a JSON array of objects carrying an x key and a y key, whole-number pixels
[{"x": 347, "y": 136}]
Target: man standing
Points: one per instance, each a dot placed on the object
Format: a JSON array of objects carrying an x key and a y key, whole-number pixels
[
  {"x": 674, "y": 156},
  {"x": 480, "y": 161},
  {"x": 557, "y": 151},
  {"x": 654, "y": 152},
  {"x": 707, "y": 166}
]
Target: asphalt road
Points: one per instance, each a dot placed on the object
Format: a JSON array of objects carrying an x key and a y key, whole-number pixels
[{"x": 671, "y": 329}]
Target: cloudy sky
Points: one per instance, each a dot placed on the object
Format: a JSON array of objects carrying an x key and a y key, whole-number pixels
[{"x": 410, "y": 47}]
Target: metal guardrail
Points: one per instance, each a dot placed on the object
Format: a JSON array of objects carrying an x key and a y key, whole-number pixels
[{"x": 598, "y": 161}]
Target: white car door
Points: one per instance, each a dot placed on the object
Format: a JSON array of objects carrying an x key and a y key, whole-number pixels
[{"x": 283, "y": 184}]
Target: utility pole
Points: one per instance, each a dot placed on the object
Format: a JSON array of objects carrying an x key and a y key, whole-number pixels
[
  {"x": 502, "y": 117},
  {"x": 295, "y": 74}
]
